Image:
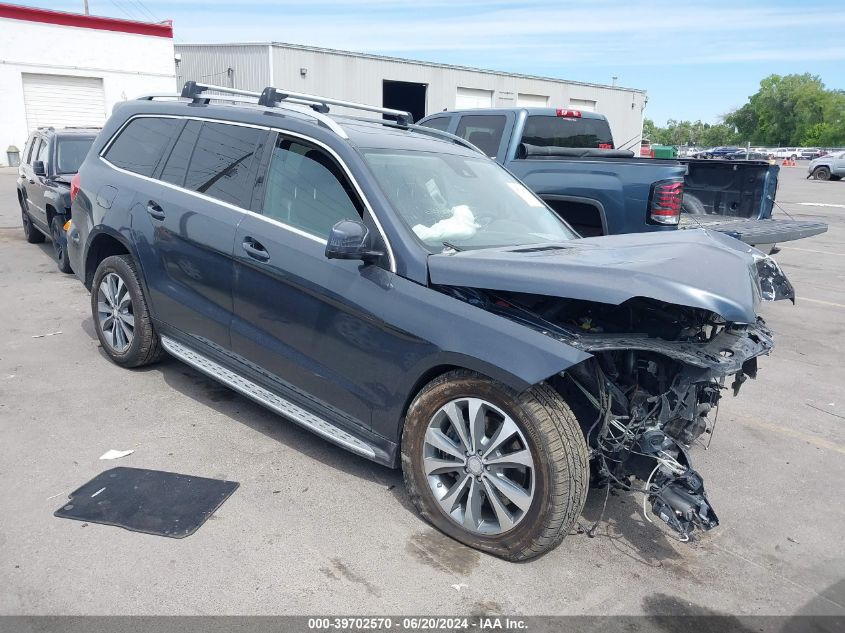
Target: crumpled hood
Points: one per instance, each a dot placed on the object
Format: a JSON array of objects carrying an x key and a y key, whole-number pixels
[{"x": 695, "y": 268}]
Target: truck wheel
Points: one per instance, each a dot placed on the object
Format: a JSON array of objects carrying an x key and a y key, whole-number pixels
[
  {"x": 32, "y": 235},
  {"x": 121, "y": 316},
  {"x": 503, "y": 472},
  {"x": 821, "y": 173},
  {"x": 57, "y": 234}
]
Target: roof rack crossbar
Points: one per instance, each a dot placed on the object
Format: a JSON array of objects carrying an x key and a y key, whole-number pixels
[{"x": 272, "y": 96}]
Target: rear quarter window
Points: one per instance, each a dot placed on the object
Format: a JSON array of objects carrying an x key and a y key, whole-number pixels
[
  {"x": 140, "y": 146},
  {"x": 438, "y": 123}
]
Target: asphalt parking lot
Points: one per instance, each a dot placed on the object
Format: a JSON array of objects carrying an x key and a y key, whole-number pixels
[{"x": 315, "y": 530}]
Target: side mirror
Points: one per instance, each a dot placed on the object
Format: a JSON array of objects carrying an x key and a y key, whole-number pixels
[
  {"x": 351, "y": 239},
  {"x": 38, "y": 168}
]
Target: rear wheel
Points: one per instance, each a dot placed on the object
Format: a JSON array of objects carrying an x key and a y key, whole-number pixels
[
  {"x": 821, "y": 173},
  {"x": 121, "y": 316},
  {"x": 500, "y": 471},
  {"x": 32, "y": 235},
  {"x": 57, "y": 234}
]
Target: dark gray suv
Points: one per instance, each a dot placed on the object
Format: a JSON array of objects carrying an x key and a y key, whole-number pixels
[
  {"x": 398, "y": 293},
  {"x": 50, "y": 160}
]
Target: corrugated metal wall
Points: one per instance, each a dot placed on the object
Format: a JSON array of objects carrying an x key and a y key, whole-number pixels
[
  {"x": 249, "y": 64},
  {"x": 357, "y": 77}
]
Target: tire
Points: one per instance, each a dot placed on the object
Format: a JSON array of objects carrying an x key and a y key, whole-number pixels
[
  {"x": 57, "y": 234},
  {"x": 691, "y": 204},
  {"x": 545, "y": 426},
  {"x": 821, "y": 173},
  {"x": 32, "y": 234},
  {"x": 116, "y": 283}
]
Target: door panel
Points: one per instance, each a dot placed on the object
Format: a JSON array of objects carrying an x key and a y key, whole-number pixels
[
  {"x": 184, "y": 218},
  {"x": 185, "y": 245},
  {"x": 308, "y": 321},
  {"x": 313, "y": 322}
]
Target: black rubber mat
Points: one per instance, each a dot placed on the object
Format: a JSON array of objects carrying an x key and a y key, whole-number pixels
[{"x": 149, "y": 501}]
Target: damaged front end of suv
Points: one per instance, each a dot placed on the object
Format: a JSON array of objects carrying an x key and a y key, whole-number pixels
[{"x": 657, "y": 368}]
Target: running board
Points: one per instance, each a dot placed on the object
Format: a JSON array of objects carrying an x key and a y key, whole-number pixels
[{"x": 267, "y": 398}]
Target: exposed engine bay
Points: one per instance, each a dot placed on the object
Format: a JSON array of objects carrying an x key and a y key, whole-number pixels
[{"x": 651, "y": 389}]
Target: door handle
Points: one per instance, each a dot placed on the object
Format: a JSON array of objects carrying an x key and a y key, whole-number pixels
[
  {"x": 155, "y": 210},
  {"x": 255, "y": 250}
]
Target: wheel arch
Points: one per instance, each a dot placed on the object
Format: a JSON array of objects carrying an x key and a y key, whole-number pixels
[{"x": 104, "y": 243}]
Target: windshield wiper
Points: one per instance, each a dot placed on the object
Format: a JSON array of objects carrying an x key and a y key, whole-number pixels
[{"x": 457, "y": 249}]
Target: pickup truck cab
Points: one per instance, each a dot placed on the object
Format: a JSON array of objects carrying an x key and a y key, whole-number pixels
[
  {"x": 50, "y": 160},
  {"x": 569, "y": 158}
]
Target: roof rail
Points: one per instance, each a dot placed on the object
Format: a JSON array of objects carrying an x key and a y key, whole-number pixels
[
  {"x": 271, "y": 97},
  {"x": 422, "y": 129}
]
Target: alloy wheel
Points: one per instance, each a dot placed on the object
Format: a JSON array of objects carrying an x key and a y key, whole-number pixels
[
  {"x": 479, "y": 466},
  {"x": 115, "y": 313}
]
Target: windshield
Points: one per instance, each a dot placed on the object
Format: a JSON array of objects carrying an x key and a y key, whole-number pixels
[
  {"x": 464, "y": 201},
  {"x": 555, "y": 131},
  {"x": 70, "y": 154}
]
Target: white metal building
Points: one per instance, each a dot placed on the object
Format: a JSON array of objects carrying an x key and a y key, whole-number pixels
[
  {"x": 66, "y": 69},
  {"x": 419, "y": 87}
]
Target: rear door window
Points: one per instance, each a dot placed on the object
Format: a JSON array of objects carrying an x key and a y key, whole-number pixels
[
  {"x": 555, "y": 131},
  {"x": 140, "y": 146},
  {"x": 176, "y": 166},
  {"x": 225, "y": 161},
  {"x": 27, "y": 150},
  {"x": 483, "y": 130},
  {"x": 306, "y": 189}
]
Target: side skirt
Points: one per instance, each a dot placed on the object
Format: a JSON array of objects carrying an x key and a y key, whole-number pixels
[{"x": 268, "y": 399}]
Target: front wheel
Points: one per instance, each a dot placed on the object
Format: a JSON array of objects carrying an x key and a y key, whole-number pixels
[
  {"x": 500, "y": 471},
  {"x": 821, "y": 173},
  {"x": 121, "y": 316}
]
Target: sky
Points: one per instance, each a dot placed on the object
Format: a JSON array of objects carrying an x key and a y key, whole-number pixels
[{"x": 696, "y": 60}]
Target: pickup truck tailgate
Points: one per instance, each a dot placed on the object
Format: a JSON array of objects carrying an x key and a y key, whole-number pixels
[{"x": 755, "y": 231}]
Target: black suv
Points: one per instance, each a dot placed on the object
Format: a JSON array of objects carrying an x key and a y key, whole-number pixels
[
  {"x": 50, "y": 160},
  {"x": 398, "y": 293}
]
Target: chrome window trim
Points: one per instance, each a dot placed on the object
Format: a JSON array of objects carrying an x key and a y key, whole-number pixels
[{"x": 293, "y": 229}]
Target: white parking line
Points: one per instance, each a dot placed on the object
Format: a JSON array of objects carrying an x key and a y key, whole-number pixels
[
  {"x": 827, "y": 303},
  {"x": 810, "y": 250},
  {"x": 818, "y": 204}
]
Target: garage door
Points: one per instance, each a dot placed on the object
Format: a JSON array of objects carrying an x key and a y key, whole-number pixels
[
  {"x": 582, "y": 104},
  {"x": 532, "y": 101},
  {"x": 63, "y": 101},
  {"x": 473, "y": 98}
]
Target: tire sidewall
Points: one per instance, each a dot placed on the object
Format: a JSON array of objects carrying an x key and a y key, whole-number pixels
[
  {"x": 822, "y": 173},
  {"x": 59, "y": 241},
  {"x": 416, "y": 423},
  {"x": 118, "y": 265}
]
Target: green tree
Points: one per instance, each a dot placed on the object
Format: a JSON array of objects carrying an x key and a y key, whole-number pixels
[{"x": 791, "y": 110}]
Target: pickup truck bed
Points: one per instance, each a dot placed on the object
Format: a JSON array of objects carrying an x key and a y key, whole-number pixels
[{"x": 737, "y": 197}]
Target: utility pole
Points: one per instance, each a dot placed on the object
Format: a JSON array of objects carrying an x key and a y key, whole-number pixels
[{"x": 85, "y": 2}]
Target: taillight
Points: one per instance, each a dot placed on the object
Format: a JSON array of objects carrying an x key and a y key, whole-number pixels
[
  {"x": 569, "y": 113},
  {"x": 664, "y": 205},
  {"x": 74, "y": 187}
]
